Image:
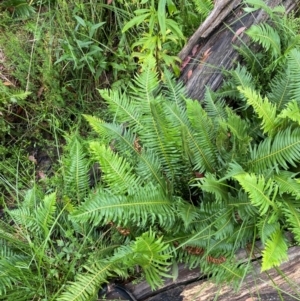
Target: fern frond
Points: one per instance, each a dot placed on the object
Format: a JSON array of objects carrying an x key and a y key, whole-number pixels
[
  {"x": 260, "y": 4},
  {"x": 45, "y": 213},
  {"x": 263, "y": 108},
  {"x": 212, "y": 185},
  {"x": 147, "y": 251},
  {"x": 203, "y": 7},
  {"x": 87, "y": 284},
  {"x": 116, "y": 171},
  {"x": 239, "y": 77},
  {"x": 204, "y": 153},
  {"x": 292, "y": 112},
  {"x": 266, "y": 229},
  {"x": 267, "y": 37},
  {"x": 147, "y": 163},
  {"x": 291, "y": 211},
  {"x": 215, "y": 107},
  {"x": 283, "y": 149},
  {"x": 76, "y": 169},
  {"x": 123, "y": 109},
  {"x": 294, "y": 67},
  {"x": 280, "y": 89},
  {"x": 148, "y": 205},
  {"x": 260, "y": 191},
  {"x": 275, "y": 251},
  {"x": 174, "y": 91},
  {"x": 287, "y": 184}
]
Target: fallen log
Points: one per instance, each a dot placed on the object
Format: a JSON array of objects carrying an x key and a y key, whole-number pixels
[{"x": 210, "y": 50}]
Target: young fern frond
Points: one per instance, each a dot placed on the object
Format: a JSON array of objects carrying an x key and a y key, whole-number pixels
[
  {"x": 291, "y": 112},
  {"x": 261, "y": 192},
  {"x": 275, "y": 251},
  {"x": 265, "y": 110}
]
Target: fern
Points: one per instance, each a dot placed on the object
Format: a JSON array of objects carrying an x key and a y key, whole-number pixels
[
  {"x": 275, "y": 251},
  {"x": 263, "y": 108},
  {"x": 76, "y": 169},
  {"x": 203, "y": 7},
  {"x": 146, "y": 251},
  {"x": 147, "y": 205},
  {"x": 282, "y": 150},
  {"x": 261, "y": 192},
  {"x": 117, "y": 173}
]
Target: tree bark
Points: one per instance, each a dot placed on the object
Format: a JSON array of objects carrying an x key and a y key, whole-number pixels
[{"x": 210, "y": 50}]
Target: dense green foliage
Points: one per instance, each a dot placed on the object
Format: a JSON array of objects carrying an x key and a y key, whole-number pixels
[{"x": 163, "y": 178}]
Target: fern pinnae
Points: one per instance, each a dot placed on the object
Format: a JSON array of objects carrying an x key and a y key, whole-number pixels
[
  {"x": 117, "y": 171},
  {"x": 263, "y": 108},
  {"x": 281, "y": 150},
  {"x": 266, "y": 36},
  {"x": 124, "y": 109},
  {"x": 294, "y": 67}
]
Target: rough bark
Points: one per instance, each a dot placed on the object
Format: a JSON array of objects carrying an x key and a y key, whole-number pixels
[{"x": 210, "y": 50}]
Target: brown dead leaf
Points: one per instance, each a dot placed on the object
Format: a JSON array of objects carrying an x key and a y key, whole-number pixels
[
  {"x": 205, "y": 56},
  {"x": 185, "y": 62},
  {"x": 109, "y": 2},
  {"x": 238, "y": 32},
  {"x": 194, "y": 50},
  {"x": 189, "y": 74}
]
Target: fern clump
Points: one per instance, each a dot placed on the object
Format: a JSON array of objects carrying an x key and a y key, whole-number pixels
[{"x": 181, "y": 181}]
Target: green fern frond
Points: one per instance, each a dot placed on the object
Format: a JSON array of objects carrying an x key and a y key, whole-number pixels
[
  {"x": 287, "y": 184},
  {"x": 239, "y": 77},
  {"x": 147, "y": 251},
  {"x": 280, "y": 89},
  {"x": 260, "y": 191},
  {"x": 148, "y": 205},
  {"x": 123, "y": 109},
  {"x": 283, "y": 149},
  {"x": 275, "y": 251},
  {"x": 260, "y": 4},
  {"x": 21, "y": 7},
  {"x": 294, "y": 67},
  {"x": 87, "y": 284},
  {"x": 188, "y": 213},
  {"x": 204, "y": 152},
  {"x": 265, "y": 110},
  {"x": 203, "y": 7},
  {"x": 174, "y": 91},
  {"x": 116, "y": 171},
  {"x": 291, "y": 211},
  {"x": 267, "y": 37},
  {"x": 266, "y": 229},
  {"x": 147, "y": 163},
  {"x": 212, "y": 185},
  {"x": 76, "y": 170},
  {"x": 214, "y": 106},
  {"x": 45, "y": 213},
  {"x": 292, "y": 112}
]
